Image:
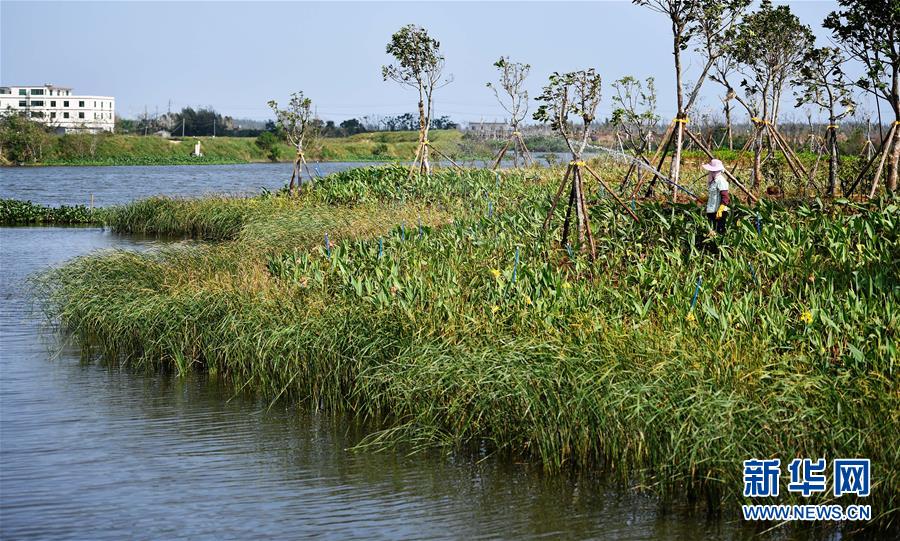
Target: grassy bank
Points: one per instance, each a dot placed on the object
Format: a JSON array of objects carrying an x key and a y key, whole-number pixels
[
  {"x": 107, "y": 149},
  {"x": 419, "y": 314}
]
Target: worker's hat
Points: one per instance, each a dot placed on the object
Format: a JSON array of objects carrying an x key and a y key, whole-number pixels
[{"x": 714, "y": 165}]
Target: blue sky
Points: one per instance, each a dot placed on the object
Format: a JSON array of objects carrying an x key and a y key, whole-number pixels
[{"x": 237, "y": 55}]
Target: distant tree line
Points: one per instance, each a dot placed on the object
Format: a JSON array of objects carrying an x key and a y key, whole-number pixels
[{"x": 205, "y": 121}]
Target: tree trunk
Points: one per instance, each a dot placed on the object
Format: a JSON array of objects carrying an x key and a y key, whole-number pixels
[
  {"x": 679, "y": 139},
  {"x": 295, "y": 174},
  {"x": 676, "y": 160},
  {"x": 424, "y": 167},
  {"x": 757, "y": 156},
  {"x": 893, "y": 163},
  {"x": 893, "y": 171},
  {"x": 728, "y": 125},
  {"x": 832, "y": 159}
]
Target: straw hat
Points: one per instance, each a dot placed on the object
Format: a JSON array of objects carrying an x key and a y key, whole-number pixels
[{"x": 714, "y": 165}]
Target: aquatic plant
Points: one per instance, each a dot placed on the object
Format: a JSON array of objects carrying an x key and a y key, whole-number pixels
[{"x": 16, "y": 212}]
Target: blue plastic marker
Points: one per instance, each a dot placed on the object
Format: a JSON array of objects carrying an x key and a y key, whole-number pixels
[
  {"x": 327, "y": 246},
  {"x": 402, "y": 232},
  {"x": 515, "y": 271},
  {"x": 490, "y": 209},
  {"x": 696, "y": 292},
  {"x": 758, "y": 223},
  {"x": 515, "y": 266},
  {"x": 753, "y": 273},
  {"x": 569, "y": 249},
  {"x": 420, "y": 228},
  {"x": 380, "y": 247}
]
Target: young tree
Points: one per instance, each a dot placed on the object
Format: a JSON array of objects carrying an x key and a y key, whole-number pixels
[
  {"x": 869, "y": 30},
  {"x": 767, "y": 45},
  {"x": 723, "y": 69},
  {"x": 419, "y": 65},
  {"x": 823, "y": 83},
  {"x": 514, "y": 101},
  {"x": 634, "y": 117},
  {"x": 704, "y": 21},
  {"x": 295, "y": 122},
  {"x": 634, "y": 114},
  {"x": 576, "y": 93}
]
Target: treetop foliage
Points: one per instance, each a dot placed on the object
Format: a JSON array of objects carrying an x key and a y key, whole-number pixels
[{"x": 419, "y": 62}]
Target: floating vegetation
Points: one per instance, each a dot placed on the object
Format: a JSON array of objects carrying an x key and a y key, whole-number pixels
[{"x": 16, "y": 212}]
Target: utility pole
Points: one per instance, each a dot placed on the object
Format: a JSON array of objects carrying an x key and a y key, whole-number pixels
[
  {"x": 214, "y": 126},
  {"x": 182, "y": 125}
]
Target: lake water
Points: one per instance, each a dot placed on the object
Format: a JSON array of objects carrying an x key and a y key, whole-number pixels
[{"x": 92, "y": 453}]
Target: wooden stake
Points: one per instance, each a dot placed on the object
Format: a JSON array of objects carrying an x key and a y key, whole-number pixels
[
  {"x": 439, "y": 153},
  {"x": 556, "y": 197},
  {"x": 529, "y": 160},
  {"x": 865, "y": 169},
  {"x": 884, "y": 155},
  {"x": 500, "y": 155},
  {"x": 606, "y": 186},
  {"x": 664, "y": 145}
]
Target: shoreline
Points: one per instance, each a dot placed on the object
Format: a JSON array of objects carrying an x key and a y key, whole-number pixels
[{"x": 433, "y": 307}]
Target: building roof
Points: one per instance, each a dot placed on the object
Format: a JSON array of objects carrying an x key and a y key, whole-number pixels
[{"x": 45, "y": 85}]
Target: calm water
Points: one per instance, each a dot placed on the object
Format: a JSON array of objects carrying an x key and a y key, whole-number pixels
[
  {"x": 91, "y": 453},
  {"x": 113, "y": 185}
]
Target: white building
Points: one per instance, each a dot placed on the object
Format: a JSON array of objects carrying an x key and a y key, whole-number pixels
[{"x": 58, "y": 108}]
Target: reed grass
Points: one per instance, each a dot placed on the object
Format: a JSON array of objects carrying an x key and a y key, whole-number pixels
[{"x": 419, "y": 313}]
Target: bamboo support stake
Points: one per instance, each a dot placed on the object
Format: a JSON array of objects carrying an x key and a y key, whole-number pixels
[
  {"x": 568, "y": 220},
  {"x": 664, "y": 145},
  {"x": 788, "y": 152},
  {"x": 529, "y": 160},
  {"x": 606, "y": 186},
  {"x": 884, "y": 154},
  {"x": 882, "y": 148},
  {"x": 500, "y": 155},
  {"x": 586, "y": 217},
  {"x": 556, "y": 197},
  {"x": 439, "y": 153},
  {"x": 412, "y": 167}
]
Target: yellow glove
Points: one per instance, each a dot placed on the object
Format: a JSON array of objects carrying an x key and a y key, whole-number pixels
[{"x": 720, "y": 210}]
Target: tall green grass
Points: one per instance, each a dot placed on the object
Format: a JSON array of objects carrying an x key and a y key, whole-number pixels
[{"x": 420, "y": 314}]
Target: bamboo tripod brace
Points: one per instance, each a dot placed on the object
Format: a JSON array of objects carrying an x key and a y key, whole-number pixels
[
  {"x": 577, "y": 201},
  {"x": 665, "y": 145},
  {"x": 518, "y": 143},
  {"x": 297, "y": 172},
  {"x": 884, "y": 149},
  {"x": 419, "y": 160}
]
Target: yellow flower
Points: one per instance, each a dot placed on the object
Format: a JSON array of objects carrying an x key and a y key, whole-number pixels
[
  {"x": 527, "y": 300},
  {"x": 806, "y": 317},
  {"x": 496, "y": 273},
  {"x": 690, "y": 317},
  {"x": 495, "y": 309},
  {"x": 566, "y": 285}
]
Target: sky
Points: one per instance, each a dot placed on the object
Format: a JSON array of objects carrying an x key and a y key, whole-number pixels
[{"x": 235, "y": 56}]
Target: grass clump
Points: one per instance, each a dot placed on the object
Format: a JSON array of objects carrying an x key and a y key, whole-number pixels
[{"x": 436, "y": 306}]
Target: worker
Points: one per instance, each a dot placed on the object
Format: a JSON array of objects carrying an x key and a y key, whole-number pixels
[{"x": 717, "y": 204}]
